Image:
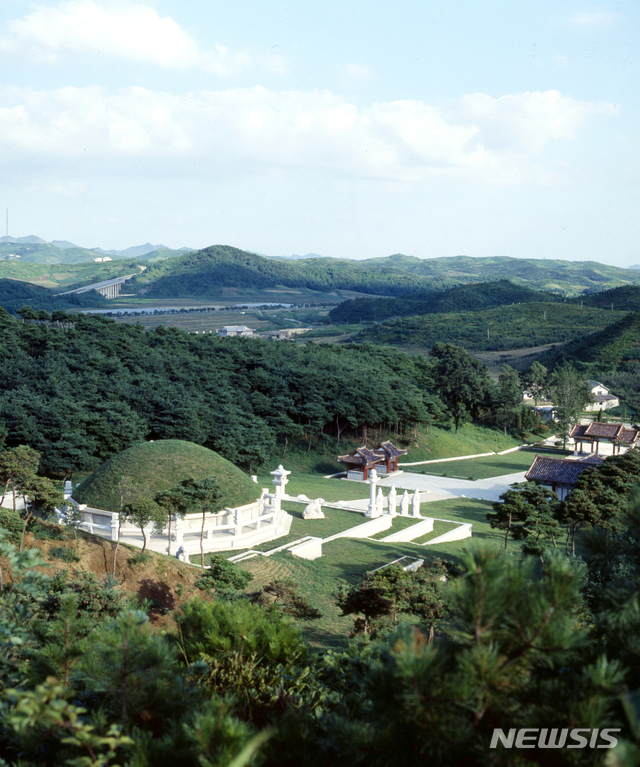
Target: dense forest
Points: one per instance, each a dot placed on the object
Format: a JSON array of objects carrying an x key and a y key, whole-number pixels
[
  {"x": 504, "y": 327},
  {"x": 469, "y": 298},
  {"x": 81, "y": 388},
  {"x": 14, "y": 294},
  {"x": 207, "y": 271}
]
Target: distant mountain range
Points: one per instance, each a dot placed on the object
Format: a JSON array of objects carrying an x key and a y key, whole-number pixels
[{"x": 35, "y": 250}]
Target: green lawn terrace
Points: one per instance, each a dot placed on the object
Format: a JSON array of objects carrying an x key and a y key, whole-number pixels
[
  {"x": 444, "y": 510},
  {"x": 351, "y": 558}
]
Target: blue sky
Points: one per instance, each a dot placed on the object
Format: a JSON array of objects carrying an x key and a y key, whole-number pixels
[{"x": 347, "y": 129}]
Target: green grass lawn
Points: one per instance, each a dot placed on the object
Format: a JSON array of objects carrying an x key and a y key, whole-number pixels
[
  {"x": 399, "y": 523},
  {"x": 346, "y": 558},
  {"x": 335, "y": 521},
  {"x": 315, "y": 486},
  {"x": 439, "y": 528},
  {"x": 351, "y": 558},
  {"x": 479, "y": 468}
]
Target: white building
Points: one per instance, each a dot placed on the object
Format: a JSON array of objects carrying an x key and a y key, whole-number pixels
[
  {"x": 602, "y": 398},
  {"x": 234, "y": 330}
]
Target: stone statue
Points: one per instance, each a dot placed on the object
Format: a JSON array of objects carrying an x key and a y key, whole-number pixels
[
  {"x": 314, "y": 510},
  {"x": 404, "y": 504},
  {"x": 392, "y": 500},
  {"x": 415, "y": 503}
]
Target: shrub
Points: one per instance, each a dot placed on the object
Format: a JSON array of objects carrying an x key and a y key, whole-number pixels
[
  {"x": 65, "y": 554},
  {"x": 141, "y": 558},
  {"x": 43, "y": 531},
  {"x": 11, "y": 523},
  {"x": 224, "y": 574}
]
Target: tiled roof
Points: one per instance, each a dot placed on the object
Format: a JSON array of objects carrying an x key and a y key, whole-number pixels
[
  {"x": 579, "y": 430},
  {"x": 561, "y": 471},
  {"x": 629, "y": 435},
  {"x": 604, "y": 430},
  {"x": 616, "y": 432},
  {"x": 389, "y": 449},
  {"x": 362, "y": 456}
]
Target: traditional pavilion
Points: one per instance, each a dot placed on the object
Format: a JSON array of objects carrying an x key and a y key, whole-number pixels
[
  {"x": 384, "y": 458},
  {"x": 391, "y": 454},
  {"x": 360, "y": 462},
  {"x": 616, "y": 434},
  {"x": 560, "y": 474}
]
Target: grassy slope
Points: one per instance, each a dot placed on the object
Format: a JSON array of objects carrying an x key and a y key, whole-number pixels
[
  {"x": 350, "y": 559},
  {"x": 151, "y": 467},
  {"x": 426, "y": 445},
  {"x": 479, "y": 468},
  {"x": 607, "y": 348}
]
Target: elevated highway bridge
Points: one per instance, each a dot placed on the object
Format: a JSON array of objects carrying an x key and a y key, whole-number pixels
[{"x": 107, "y": 288}]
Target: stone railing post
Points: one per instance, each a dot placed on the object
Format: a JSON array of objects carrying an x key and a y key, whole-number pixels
[
  {"x": 114, "y": 527},
  {"x": 372, "y": 509},
  {"x": 179, "y": 531}
]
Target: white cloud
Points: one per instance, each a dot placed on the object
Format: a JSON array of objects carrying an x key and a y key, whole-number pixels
[
  {"x": 593, "y": 19},
  {"x": 527, "y": 122},
  {"x": 118, "y": 29},
  {"x": 255, "y": 129}
]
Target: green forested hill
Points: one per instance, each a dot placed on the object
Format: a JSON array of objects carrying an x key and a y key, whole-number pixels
[
  {"x": 475, "y": 297},
  {"x": 15, "y": 294},
  {"x": 625, "y": 299},
  {"x": 207, "y": 271},
  {"x": 607, "y": 348},
  {"x": 504, "y": 327}
]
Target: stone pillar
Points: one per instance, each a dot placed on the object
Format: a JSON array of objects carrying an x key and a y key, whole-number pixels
[
  {"x": 372, "y": 508},
  {"x": 404, "y": 504},
  {"x": 392, "y": 500},
  {"x": 280, "y": 479},
  {"x": 68, "y": 489},
  {"x": 379, "y": 502},
  {"x": 415, "y": 503}
]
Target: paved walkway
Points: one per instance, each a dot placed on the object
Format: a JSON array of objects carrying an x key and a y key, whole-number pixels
[{"x": 441, "y": 488}]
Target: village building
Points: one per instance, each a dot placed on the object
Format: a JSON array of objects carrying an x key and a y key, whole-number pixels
[
  {"x": 602, "y": 397},
  {"x": 384, "y": 458},
  {"x": 615, "y": 434},
  {"x": 234, "y": 330},
  {"x": 560, "y": 474}
]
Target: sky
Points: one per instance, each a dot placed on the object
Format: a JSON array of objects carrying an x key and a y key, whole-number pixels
[{"x": 347, "y": 129}]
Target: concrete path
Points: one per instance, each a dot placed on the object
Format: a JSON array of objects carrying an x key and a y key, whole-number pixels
[{"x": 441, "y": 488}]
